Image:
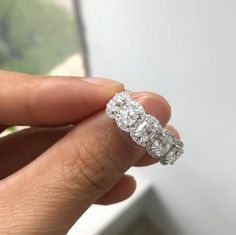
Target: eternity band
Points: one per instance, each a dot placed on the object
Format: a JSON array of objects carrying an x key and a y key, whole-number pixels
[{"x": 144, "y": 128}]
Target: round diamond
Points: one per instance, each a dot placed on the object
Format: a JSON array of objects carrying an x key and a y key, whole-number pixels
[
  {"x": 145, "y": 129},
  {"x": 116, "y": 104},
  {"x": 179, "y": 143},
  {"x": 129, "y": 116},
  {"x": 160, "y": 144}
]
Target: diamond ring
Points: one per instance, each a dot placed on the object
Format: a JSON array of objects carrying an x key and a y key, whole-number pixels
[{"x": 144, "y": 128}]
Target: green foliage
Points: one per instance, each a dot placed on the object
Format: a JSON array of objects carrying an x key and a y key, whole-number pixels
[
  {"x": 11, "y": 129},
  {"x": 35, "y": 35}
]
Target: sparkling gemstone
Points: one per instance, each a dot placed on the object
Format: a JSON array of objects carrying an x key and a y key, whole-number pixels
[
  {"x": 130, "y": 116},
  {"x": 158, "y": 146},
  {"x": 117, "y": 103},
  {"x": 145, "y": 129},
  {"x": 175, "y": 152}
]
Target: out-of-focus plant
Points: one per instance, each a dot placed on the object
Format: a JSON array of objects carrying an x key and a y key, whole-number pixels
[{"x": 35, "y": 35}]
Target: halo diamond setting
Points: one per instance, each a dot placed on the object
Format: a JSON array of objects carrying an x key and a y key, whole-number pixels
[{"x": 144, "y": 129}]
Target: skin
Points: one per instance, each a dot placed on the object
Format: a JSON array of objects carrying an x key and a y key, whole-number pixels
[{"x": 71, "y": 157}]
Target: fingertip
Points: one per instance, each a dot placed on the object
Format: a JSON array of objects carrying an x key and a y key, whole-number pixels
[
  {"x": 173, "y": 131},
  {"x": 104, "y": 82},
  {"x": 121, "y": 191},
  {"x": 155, "y": 105}
]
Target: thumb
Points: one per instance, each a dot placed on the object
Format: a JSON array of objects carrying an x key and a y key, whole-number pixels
[{"x": 55, "y": 190}]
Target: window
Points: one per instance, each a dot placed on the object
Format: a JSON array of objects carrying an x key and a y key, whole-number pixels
[{"x": 39, "y": 37}]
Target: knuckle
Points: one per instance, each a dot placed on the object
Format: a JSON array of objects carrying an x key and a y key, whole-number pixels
[{"x": 91, "y": 168}]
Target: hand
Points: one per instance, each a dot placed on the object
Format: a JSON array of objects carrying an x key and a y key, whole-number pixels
[{"x": 72, "y": 155}]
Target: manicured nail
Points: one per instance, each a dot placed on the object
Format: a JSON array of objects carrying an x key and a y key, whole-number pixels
[{"x": 102, "y": 82}]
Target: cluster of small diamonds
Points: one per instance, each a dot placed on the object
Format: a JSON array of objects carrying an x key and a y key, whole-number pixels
[{"x": 144, "y": 129}]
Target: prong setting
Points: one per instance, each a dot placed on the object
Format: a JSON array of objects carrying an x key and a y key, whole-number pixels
[{"x": 144, "y": 129}]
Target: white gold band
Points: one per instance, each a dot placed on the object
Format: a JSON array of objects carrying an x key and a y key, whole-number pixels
[{"x": 144, "y": 128}]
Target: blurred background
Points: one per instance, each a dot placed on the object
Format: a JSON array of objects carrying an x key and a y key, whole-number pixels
[
  {"x": 37, "y": 36},
  {"x": 184, "y": 50}
]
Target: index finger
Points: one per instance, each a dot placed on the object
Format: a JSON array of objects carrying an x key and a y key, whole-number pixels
[{"x": 40, "y": 100}]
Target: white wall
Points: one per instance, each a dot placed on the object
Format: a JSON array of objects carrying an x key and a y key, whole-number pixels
[{"x": 186, "y": 51}]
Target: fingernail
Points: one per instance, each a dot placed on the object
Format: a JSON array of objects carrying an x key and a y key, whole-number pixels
[
  {"x": 102, "y": 82},
  {"x": 155, "y": 105},
  {"x": 143, "y": 95}
]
